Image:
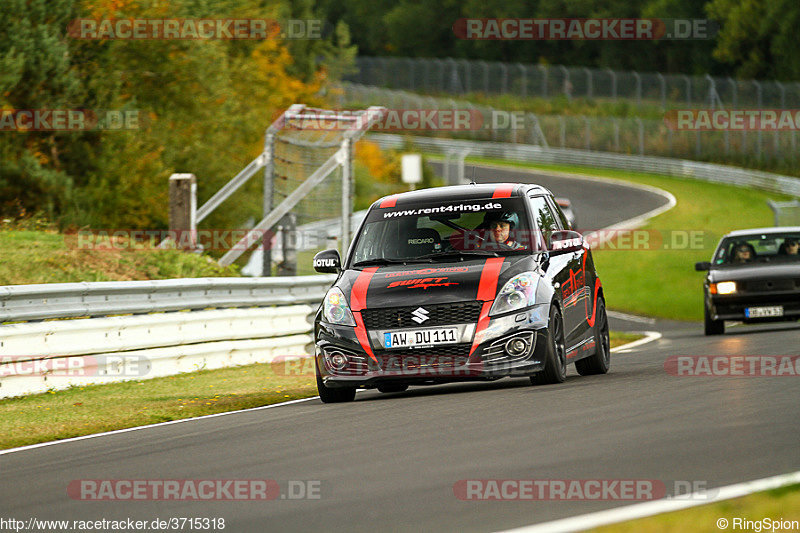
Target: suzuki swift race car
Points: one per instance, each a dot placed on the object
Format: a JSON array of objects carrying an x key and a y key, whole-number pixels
[{"x": 470, "y": 282}]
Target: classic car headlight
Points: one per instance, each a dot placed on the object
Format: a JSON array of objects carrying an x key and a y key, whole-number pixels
[
  {"x": 723, "y": 287},
  {"x": 519, "y": 292},
  {"x": 335, "y": 309}
]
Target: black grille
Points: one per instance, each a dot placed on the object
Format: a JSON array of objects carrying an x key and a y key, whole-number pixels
[
  {"x": 427, "y": 358},
  {"x": 447, "y": 349},
  {"x": 439, "y": 315},
  {"x": 772, "y": 285}
]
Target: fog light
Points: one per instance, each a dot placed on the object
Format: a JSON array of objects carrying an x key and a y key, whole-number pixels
[
  {"x": 338, "y": 360},
  {"x": 516, "y": 347}
]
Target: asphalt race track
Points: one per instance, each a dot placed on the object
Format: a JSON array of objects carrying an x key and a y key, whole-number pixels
[
  {"x": 390, "y": 461},
  {"x": 597, "y": 204}
]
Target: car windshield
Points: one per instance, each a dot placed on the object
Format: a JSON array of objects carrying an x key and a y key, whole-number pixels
[
  {"x": 444, "y": 230},
  {"x": 758, "y": 248}
]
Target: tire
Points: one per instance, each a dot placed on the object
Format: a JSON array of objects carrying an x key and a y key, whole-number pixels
[
  {"x": 392, "y": 387},
  {"x": 600, "y": 362},
  {"x": 553, "y": 351},
  {"x": 713, "y": 327},
  {"x": 335, "y": 395}
]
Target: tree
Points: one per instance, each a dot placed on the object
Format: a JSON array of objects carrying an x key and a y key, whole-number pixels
[
  {"x": 35, "y": 73},
  {"x": 759, "y": 39}
]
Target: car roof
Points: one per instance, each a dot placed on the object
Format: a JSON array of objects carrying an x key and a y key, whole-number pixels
[
  {"x": 770, "y": 230},
  {"x": 472, "y": 191}
]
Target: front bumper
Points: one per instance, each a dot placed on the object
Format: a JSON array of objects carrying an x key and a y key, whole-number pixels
[
  {"x": 732, "y": 307},
  {"x": 439, "y": 364}
]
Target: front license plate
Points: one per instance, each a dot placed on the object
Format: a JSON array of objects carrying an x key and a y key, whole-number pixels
[
  {"x": 760, "y": 312},
  {"x": 419, "y": 337}
]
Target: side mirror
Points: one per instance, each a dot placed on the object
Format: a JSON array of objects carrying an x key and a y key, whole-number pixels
[
  {"x": 328, "y": 262},
  {"x": 702, "y": 266},
  {"x": 565, "y": 241}
]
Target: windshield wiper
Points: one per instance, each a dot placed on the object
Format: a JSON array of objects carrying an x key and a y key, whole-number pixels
[
  {"x": 460, "y": 253},
  {"x": 380, "y": 261}
]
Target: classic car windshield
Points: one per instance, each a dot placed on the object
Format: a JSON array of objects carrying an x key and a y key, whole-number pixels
[
  {"x": 462, "y": 227},
  {"x": 758, "y": 248}
]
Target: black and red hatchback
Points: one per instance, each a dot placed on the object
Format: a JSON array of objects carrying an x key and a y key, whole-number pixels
[{"x": 472, "y": 282}]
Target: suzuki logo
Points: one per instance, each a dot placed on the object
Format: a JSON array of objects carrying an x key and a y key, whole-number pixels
[{"x": 419, "y": 315}]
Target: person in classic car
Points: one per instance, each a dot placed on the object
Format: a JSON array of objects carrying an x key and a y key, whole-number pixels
[
  {"x": 790, "y": 246},
  {"x": 744, "y": 253}
]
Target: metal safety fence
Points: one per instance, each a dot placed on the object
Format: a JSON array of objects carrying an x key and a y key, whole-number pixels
[
  {"x": 630, "y": 136},
  {"x": 462, "y": 76}
]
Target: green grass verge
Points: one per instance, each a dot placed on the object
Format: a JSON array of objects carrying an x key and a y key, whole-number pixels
[
  {"x": 561, "y": 105},
  {"x": 93, "y": 409},
  {"x": 618, "y": 338},
  {"x": 662, "y": 282},
  {"x": 46, "y": 256},
  {"x": 777, "y": 505}
]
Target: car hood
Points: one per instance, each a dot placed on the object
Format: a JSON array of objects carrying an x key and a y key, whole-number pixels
[
  {"x": 430, "y": 283},
  {"x": 759, "y": 271}
]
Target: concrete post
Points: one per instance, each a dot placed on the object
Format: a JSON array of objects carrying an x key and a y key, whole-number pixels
[{"x": 183, "y": 210}]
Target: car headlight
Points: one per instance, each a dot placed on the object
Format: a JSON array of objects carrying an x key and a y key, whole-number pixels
[
  {"x": 335, "y": 309},
  {"x": 518, "y": 292},
  {"x": 723, "y": 287}
]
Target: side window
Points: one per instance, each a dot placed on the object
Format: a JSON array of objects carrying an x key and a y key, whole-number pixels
[
  {"x": 543, "y": 218},
  {"x": 561, "y": 219}
]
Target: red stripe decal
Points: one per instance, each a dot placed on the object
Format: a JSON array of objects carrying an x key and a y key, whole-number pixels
[
  {"x": 361, "y": 335},
  {"x": 483, "y": 321},
  {"x": 389, "y": 202},
  {"x": 487, "y": 287},
  {"x": 358, "y": 294},
  {"x": 597, "y": 286},
  {"x": 487, "y": 290},
  {"x": 503, "y": 192},
  {"x": 358, "y": 301}
]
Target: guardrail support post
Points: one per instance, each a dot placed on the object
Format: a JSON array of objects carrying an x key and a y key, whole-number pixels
[
  {"x": 347, "y": 182},
  {"x": 268, "y": 198},
  {"x": 183, "y": 210},
  {"x": 289, "y": 237}
]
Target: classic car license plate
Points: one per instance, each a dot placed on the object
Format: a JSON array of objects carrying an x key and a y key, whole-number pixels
[
  {"x": 759, "y": 312},
  {"x": 419, "y": 337}
]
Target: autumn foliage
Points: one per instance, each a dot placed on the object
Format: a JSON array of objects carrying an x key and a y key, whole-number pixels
[{"x": 202, "y": 105}]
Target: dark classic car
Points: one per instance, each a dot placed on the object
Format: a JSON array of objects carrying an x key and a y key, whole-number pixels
[
  {"x": 566, "y": 207},
  {"x": 753, "y": 277}
]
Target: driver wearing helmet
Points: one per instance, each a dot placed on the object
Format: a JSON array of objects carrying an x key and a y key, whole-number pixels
[{"x": 500, "y": 225}]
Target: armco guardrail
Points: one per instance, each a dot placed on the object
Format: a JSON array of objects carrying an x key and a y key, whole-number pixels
[
  {"x": 271, "y": 319},
  {"x": 67, "y": 300},
  {"x": 561, "y": 156}
]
